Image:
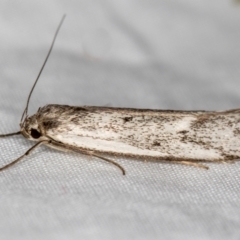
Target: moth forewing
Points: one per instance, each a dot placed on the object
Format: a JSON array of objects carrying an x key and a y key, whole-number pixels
[{"x": 156, "y": 134}]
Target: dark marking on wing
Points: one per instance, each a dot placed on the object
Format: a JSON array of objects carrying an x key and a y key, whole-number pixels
[
  {"x": 75, "y": 120},
  {"x": 127, "y": 119},
  {"x": 49, "y": 124},
  {"x": 156, "y": 143},
  {"x": 183, "y": 132},
  {"x": 77, "y": 109},
  {"x": 236, "y": 131}
]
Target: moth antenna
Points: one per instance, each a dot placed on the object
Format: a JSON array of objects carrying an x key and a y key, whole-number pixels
[
  {"x": 25, "y": 112},
  {"x": 24, "y": 155},
  {"x": 9, "y": 134}
]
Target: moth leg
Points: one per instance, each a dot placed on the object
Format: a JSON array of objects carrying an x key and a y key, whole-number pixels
[
  {"x": 226, "y": 161},
  {"x": 89, "y": 157},
  {"x": 229, "y": 161},
  {"x": 63, "y": 147},
  {"x": 24, "y": 155},
  {"x": 193, "y": 164},
  {"x": 58, "y": 147},
  {"x": 109, "y": 161}
]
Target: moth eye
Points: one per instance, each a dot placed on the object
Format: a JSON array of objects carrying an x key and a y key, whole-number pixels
[{"x": 35, "y": 133}]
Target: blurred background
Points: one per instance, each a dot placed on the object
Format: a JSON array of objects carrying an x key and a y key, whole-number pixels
[{"x": 175, "y": 54}]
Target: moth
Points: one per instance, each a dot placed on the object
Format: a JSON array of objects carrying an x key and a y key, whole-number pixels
[{"x": 185, "y": 137}]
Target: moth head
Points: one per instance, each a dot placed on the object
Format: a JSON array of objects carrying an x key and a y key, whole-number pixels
[{"x": 30, "y": 129}]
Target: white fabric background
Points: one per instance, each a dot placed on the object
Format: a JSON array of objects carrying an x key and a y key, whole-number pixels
[{"x": 166, "y": 54}]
